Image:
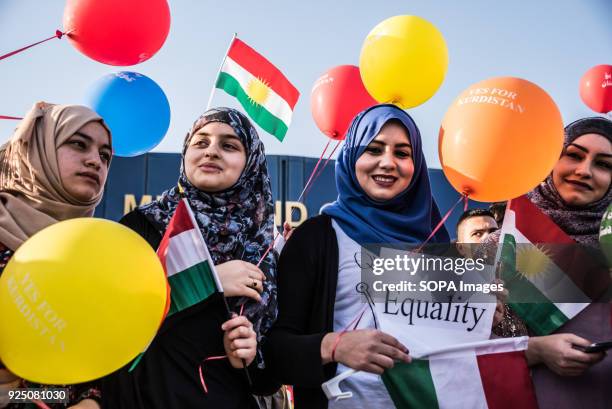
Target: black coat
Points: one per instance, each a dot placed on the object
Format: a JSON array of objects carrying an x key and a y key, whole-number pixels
[
  {"x": 167, "y": 377},
  {"x": 307, "y": 279}
]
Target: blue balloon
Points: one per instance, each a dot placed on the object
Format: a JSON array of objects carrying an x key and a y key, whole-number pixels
[{"x": 135, "y": 109}]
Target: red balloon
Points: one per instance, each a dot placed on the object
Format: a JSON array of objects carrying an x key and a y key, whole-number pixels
[
  {"x": 117, "y": 32},
  {"x": 336, "y": 97},
  {"x": 596, "y": 88}
]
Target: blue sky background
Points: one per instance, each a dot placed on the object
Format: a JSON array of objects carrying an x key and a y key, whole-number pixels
[{"x": 549, "y": 42}]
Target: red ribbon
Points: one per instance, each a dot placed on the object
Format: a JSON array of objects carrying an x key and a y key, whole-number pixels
[
  {"x": 322, "y": 168},
  {"x": 307, "y": 186},
  {"x": 314, "y": 170},
  {"x": 58, "y": 34},
  {"x": 10, "y": 117},
  {"x": 464, "y": 199},
  {"x": 212, "y": 358},
  {"x": 40, "y": 404}
]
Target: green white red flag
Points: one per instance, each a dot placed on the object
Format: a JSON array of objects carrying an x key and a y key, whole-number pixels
[
  {"x": 184, "y": 255},
  {"x": 487, "y": 375}
]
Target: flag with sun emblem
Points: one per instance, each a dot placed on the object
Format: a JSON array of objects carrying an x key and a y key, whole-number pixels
[
  {"x": 261, "y": 88},
  {"x": 550, "y": 278}
]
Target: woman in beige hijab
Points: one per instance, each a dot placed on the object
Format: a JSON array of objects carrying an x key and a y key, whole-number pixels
[{"x": 53, "y": 168}]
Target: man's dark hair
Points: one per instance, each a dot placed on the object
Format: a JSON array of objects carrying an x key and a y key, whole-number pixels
[
  {"x": 473, "y": 213},
  {"x": 499, "y": 210}
]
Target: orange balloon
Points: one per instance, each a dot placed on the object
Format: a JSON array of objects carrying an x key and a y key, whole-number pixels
[{"x": 500, "y": 138}]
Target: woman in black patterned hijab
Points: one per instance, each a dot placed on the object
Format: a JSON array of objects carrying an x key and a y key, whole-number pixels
[
  {"x": 225, "y": 179},
  {"x": 237, "y": 221}
]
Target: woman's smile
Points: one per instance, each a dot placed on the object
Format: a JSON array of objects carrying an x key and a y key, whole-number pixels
[
  {"x": 384, "y": 180},
  {"x": 576, "y": 184}
]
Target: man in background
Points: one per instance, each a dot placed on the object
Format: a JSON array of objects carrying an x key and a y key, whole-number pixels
[{"x": 473, "y": 227}]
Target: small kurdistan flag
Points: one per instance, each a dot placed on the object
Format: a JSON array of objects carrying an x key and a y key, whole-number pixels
[{"x": 261, "y": 88}]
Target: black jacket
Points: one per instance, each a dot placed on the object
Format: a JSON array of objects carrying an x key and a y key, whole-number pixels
[
  {"x": 167, "y": 377},
  {"x": 307, "y": 279}
]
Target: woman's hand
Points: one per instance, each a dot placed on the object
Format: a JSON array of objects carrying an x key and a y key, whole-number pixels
[
  {"x": 364, "y": 350},
  {"x": 287, "y": 231},
  {"x": 241, "y": 279},
  {"x": 239, "y": 341},
  {"x": 557, "y": 353},
  {"x": 85, "y": 404}
]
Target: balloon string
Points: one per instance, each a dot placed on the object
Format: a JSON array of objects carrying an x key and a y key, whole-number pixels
[
  {"x": 58, "y": 34},
  {"x": 309, "y": 182},
  {"x": 312, "y": 174},
  {"x": 201, "y": 373},
  {"x": 322, "y": 169},
  {"x": 40, "y": 404},
  {"x": 355, "y": 322},
  {"x": 10, "y": 117},
  {"x": 270, "y": 247},
  {"x": 212, "y": 358},
  {"x": 464, "y": 199}
]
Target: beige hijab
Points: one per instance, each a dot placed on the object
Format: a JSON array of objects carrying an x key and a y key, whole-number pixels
[{"x": 32, "y": 195}]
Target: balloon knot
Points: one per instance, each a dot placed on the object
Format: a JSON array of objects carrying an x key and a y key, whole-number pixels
[{"x": 59, "y": 34}]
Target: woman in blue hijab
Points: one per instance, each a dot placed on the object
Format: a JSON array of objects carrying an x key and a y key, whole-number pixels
[{"x": 384, "y": 197}]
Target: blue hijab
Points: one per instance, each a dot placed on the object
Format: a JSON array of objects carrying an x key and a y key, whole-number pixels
[{"x": 409, "y": 217}]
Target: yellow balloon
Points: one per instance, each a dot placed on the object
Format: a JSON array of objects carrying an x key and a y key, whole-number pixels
[
  {"x": 79, "y": 300},
  {"x": 403, "y": 61}
]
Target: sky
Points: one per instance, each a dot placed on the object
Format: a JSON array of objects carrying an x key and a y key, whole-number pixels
[{"x": 549, "y": 42}]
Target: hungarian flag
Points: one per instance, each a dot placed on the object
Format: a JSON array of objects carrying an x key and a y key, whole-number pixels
[
  {"x": 262, "y": 90},
  {"x": 186, "y": 260},
  {"x": 549, "y": 277},
  {"x": 486, "y": 375}
]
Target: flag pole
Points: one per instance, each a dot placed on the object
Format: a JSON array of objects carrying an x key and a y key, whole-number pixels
[
  {"x": 214, "y": 87},
  {"x": 214, "y": 270}
]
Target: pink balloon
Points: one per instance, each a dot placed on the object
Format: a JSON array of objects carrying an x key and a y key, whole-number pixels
[{"x": 336, "y": 98}]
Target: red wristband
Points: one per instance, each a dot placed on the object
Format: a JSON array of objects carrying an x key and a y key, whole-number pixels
[{"x": 336, "y": 342}]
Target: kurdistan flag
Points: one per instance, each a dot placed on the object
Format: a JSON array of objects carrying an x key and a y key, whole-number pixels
[
  {"x": 484, "y": 375},
  {"x": 549, "y": 277},
  {"x": 186, "y": 260},
  {"x": 262, "y": 90}
]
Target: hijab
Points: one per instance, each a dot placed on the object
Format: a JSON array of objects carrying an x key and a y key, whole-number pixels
[
  {"x": 581, "y": 223},
  {"x": 32, "y": 195},
  {"x": 410, "y": 216},
  {"x": 236, "y": 223}
]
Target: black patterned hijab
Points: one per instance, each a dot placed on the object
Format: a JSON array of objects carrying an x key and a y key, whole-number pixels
[{"x": 237, "y": 223}]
